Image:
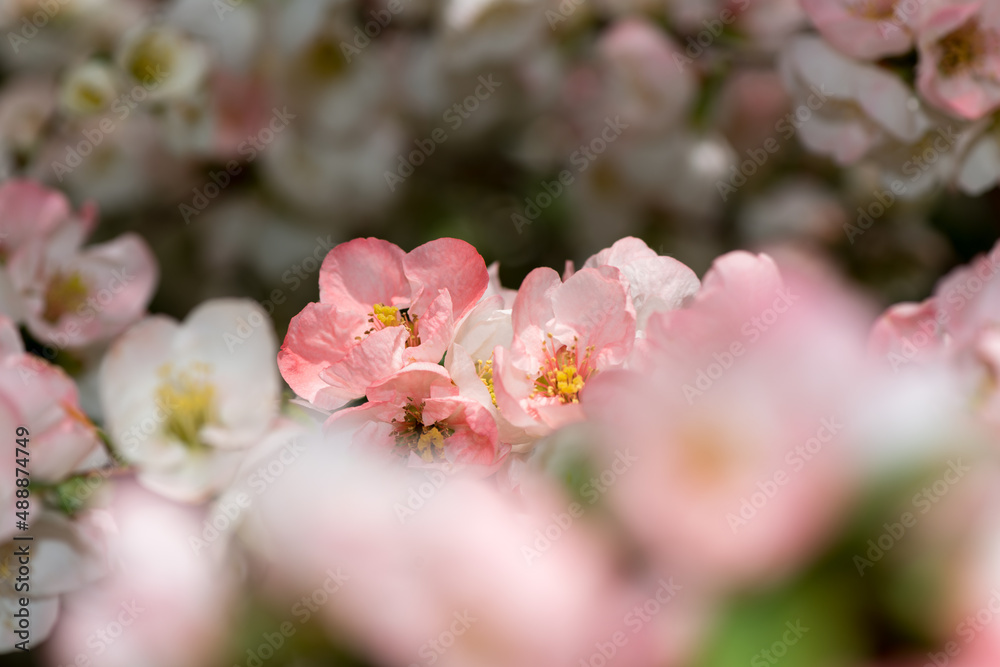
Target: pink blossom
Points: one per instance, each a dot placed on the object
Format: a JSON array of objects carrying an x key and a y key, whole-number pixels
[
  {"x": 30, "y": 211},
  {"x": 853, "y": 107},
  {"x": 959, "y": 69},
  {"x": 163, "y": 604},
  {"x": 64, "y": 556},
  {"x": 735, "y": 416},
  {"x": 864, "y": 29},
  {"x": 418, "y": 414},
  {"x": 565, "y": 333},
  {"x": 68, "y": 295},
  {"x": 75, "y": 296},
  {"x": 655, "y": 282},
  {"x": 379, "y": 310},
  {"x": 44, "y": 399},
  {"x": 396, "y": 578}
]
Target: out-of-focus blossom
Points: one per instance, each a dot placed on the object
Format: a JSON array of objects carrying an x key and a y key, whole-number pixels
[
  {"x": 63, "y": 555},
  {"x": 733, "y": 415},
  {"x": 482, "y": 31},
  {"x": 865, "y": 29},
  {"x": 397, "y": 578},
  {"x": 44, "y": 399},
  {"x": 166, "y": 62},
  {"x": 646, "y": 81},
  {"x": 185, "y": 401},
  {"x": 70, "y": 295},
  {"x": 959, "y": 70},
  {"x": 848, "y": 108},
  {"x": 88, "y": 88},
  {"x": 379, "y": 310},
  {"x": 162, "y": 604},
  {"x": 418, "y": 415}
]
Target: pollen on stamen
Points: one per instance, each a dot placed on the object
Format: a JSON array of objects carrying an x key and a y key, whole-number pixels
[
  {"x": 383, "y": 317},
  {"x": 189, "y": 399},
  {"x": 564, "y": 372}
]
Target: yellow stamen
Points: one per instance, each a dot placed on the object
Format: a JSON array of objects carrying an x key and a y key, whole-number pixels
[
  {"x": 484, "y": 369},
  {"x": 189, "y": 400},
  {"x": 65, "y": 294},
  {"x": 962, "y": 49},
  {"x": 430, "y": 443},
  {"x": 387, "y": 315}
]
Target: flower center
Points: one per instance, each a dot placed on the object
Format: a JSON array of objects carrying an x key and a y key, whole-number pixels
[
  {"x": 412, "y": 435},
  {"x": 564, "y": 372},
  {"x": 383, "y": 317},
  {"x": 484, "y": 369},
  {"x": 873, "y": 9},
  {"x": 65, "y": 294},
  {"x": 189, "y": 400},
  {"x": 964, "y": 48}
]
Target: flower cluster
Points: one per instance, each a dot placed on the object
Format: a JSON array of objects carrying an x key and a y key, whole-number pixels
[
  {"x": 470, "y": 474},
  {"x": 454, "y": 370},
  {"x": 912, "y": 84}
]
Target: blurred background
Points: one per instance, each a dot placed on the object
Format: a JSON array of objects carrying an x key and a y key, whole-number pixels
[{"x": 245, "y": 138}]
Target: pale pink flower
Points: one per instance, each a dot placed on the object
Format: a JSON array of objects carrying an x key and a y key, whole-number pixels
[
  {"x": 379, "y": 310},
  {"x": 564, "y": 334},
  {"x": 73, "y": 296},
  {"x": 162, "y": 604},
  {"x": 418, "y": 415},
  {"x": 470, "y": 360},
  {"x": 647, "y": 77},
  {"x": 846, "y": 109},
  {"x": 184, "y": 402},
  {"x": 68, "y": 295},
  {"x": 63, "y": 556},
  {"x": 404, "y": 582},
  {"x": 44, "y": 399},
  {"x": 959, "y": 69},
  {"x": 865, "y": 29},
  {"x": 29, "y": 210},
  {"x": 655, "y": 282},
  {"x": 735, "y": 416}
]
